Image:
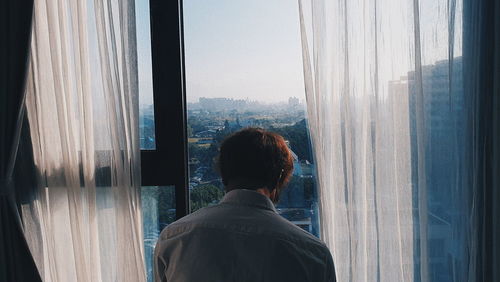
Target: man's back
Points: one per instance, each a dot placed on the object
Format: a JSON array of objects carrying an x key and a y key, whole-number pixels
[{"x": 240, "y": 239}]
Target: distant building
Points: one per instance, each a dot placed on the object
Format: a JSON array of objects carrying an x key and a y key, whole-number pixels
[
  {"x": 293, "y": 102},
  {"x": 220, "y": 104},
  {"x": 444, "y": 123}
]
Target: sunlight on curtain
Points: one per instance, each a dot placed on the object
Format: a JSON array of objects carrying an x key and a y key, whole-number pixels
[
  {"x": 85, "y": 224},
  {"x": 384, "y": 92}
]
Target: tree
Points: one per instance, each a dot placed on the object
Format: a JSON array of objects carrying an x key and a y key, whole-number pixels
[
  {"x": 204, "y": 195},
  {"x": 293, "y": 194},
  {"x": 298, "y": 137}
]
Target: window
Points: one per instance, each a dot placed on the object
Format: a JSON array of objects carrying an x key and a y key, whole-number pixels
[
  {"x": 162, "y": 119},
  {"x": 248, "y": 73},
  {"x": 163, "y": 158},
  {"x": 165, "y": 127},
  {"x": 146, "y": 110},
  {"x": 158, "y": 210}
]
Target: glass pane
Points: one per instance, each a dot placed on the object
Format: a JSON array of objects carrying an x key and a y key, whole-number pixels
[
  {"x": 247, "y": 73},
  {"x": 146, "y": 112},
  {"x": 158, "y": 210}
]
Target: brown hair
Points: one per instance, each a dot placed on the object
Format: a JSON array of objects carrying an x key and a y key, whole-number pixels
[{"x": 255, "y": 158}]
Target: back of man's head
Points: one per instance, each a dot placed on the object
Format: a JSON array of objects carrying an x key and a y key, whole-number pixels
[{"x": 254, "y": 158}]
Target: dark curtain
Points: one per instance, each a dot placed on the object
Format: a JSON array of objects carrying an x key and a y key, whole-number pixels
[
  {"x": 16, "y": 262},
  {"x": 482, "y": 72}
]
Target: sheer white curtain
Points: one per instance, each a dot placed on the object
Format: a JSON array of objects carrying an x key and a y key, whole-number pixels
[
  {"x": 85, "y": 224},
  {"x": 384, "y": 91}
]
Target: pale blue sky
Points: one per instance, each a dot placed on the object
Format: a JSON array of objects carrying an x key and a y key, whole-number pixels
[
  {"x": 144, "y": 52},
  {"x": 243, "y": 49},
  {"x": 234, "y": 48}
]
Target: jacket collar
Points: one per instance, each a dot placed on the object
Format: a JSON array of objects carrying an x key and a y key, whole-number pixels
[{"x": 247, "y": 197}]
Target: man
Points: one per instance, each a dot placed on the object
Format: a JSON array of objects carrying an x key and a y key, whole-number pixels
[{"x": 243, "y": 238}]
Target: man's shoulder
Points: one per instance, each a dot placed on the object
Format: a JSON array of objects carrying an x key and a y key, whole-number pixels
[
  {"x": 268, "y": 224},
  {"x": 184, "y": 224},
  {"x": 303, "y": 238}
]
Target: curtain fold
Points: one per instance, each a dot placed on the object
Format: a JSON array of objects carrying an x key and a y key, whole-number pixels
[
  {"x": 16, "y": 263},
  {"x": 85, "y": 221},
  {"x": 385, "y": 97},
  {"x": 482, "y": 68}
]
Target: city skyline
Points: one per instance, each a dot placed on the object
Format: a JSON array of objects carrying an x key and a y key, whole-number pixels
[{"x": 286, "y": 100}]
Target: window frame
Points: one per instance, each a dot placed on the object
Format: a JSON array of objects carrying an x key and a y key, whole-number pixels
[{"x": 166, "y": 165}]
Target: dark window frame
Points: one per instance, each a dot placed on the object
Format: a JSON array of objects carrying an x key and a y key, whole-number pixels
[{"x": 166, "y": 165}]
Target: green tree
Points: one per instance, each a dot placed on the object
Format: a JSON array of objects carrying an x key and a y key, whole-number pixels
[
  {"x": 204, "y": 195},
  {"x": 309, "y": 189},
  {"x": 298, "y": 137}
]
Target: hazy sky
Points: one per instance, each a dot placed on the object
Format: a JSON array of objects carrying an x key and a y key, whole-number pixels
[
  {"x": 243, "y": 49},
  {"x": 144, "y": 52},
  {"x": 234, "y": 48},
  {"x": 251, "y": 48}
]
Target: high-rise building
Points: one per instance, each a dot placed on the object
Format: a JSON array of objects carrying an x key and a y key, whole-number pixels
[{"x": 443, "y": 126}]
